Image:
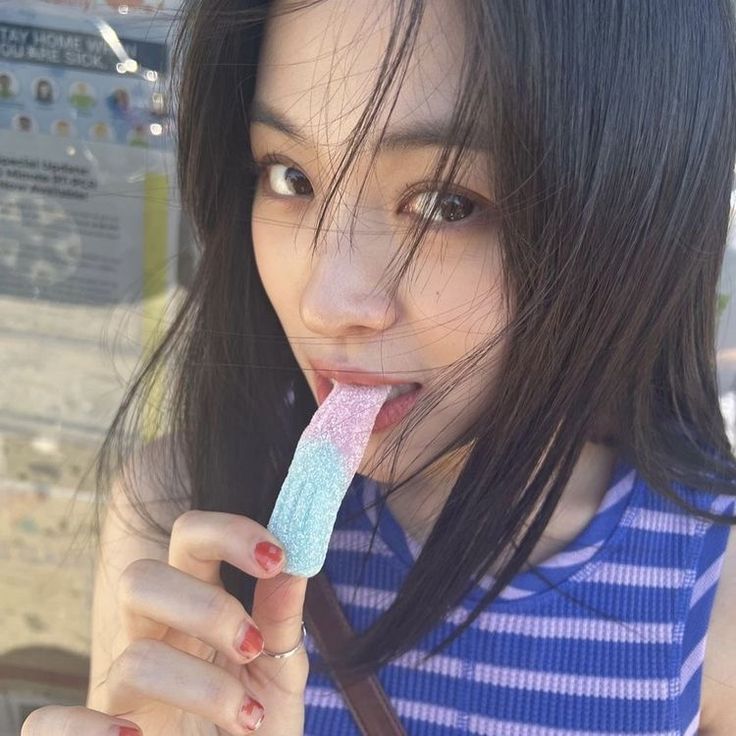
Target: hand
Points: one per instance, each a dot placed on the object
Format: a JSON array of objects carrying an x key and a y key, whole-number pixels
[{"x": 177, "y": 667}]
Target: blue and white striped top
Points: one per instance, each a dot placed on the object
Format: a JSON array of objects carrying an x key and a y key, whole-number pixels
[{"x": 536, "y": 663}]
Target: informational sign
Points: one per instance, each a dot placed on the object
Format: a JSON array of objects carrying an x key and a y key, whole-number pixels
[
  {"x": 89, "y": 211},
  {"x": 87, "y": 197},
  {"x": 74, "y": 220},
  {"x": 75, "y": 77}
]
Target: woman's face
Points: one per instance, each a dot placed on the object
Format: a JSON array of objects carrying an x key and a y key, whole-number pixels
[{"x": 317, "y": 70}]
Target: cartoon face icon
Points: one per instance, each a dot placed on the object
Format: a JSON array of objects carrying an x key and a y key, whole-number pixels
[
  {"x": 138, "y": 136},
  {"x": 119, "y": 101},
  {"x": 82, "y": 96},
  {"x": 122, "y": 99},
  {"x": 25, "y": 123},
  {"x": 44, "y": 91},
  {"x": 62, "y": 128},
  {"x": 100, "y": 131},
  {"x": 6, "y": 86}
]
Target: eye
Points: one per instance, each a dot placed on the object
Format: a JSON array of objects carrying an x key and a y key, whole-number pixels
[
  {"x": 449, "y": 208},
  {"x": 285, "y": 181}
]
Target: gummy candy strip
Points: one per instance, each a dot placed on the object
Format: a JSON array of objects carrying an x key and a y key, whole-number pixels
[{"x": 326, "y": 459}]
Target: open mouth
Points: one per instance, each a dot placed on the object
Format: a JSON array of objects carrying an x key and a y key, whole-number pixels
[
  {"x": 325, "y": 385},
  {"x": 398, "y": 404},
  {"x": 401, "y": 389}
]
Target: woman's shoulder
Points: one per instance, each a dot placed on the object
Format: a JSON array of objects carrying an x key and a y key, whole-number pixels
[{"x": 152, "y": 487}]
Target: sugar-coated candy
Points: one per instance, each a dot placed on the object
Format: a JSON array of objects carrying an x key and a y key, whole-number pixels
[{"x": 326, "y": 459}]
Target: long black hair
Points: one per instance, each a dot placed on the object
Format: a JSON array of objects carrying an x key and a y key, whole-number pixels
[{"x": 611, "y": 132}]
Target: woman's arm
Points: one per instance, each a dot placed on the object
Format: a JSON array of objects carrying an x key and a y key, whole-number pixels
[{"x": 119, "y": 546}]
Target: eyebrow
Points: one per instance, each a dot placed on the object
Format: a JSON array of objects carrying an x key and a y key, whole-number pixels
[{"x": 422, "y": 134}]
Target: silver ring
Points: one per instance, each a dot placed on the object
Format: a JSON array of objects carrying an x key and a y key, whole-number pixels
[{"x": 284, "y": 655}]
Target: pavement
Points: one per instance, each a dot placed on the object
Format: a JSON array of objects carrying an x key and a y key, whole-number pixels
[{"x": 64, "y": 369}]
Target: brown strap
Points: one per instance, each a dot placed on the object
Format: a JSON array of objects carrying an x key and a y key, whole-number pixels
[{"x": 330, "y": 629}]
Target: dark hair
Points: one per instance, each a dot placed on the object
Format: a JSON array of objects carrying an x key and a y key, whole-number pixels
[{"x": 611, "y": 128}]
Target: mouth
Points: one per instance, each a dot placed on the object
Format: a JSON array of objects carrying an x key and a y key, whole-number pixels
[
  {"x": 398, "y": 389},
  {"x": 327, "y": 378},
  {"x": 399, "y": 402},
  {"x": 401, "y": 389}
]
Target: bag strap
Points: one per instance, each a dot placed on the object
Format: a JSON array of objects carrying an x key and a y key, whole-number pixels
[{"x": 365, "y": 698}]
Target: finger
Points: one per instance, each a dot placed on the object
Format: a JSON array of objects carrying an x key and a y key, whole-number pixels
[
  {"x": 200, "y": 540},
  {"x": 155, "y": 597},
  {"x": 152, "y": 670},
  {"x": 56, "y": 719},
  {"x": 278, "y": 610}
]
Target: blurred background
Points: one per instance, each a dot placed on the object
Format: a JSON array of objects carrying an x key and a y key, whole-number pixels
[{"x": 92, "y": 249}]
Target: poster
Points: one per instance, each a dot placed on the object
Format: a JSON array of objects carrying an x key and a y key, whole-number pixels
[
  {"x": 89, "y": 215},
  {"x": 73, "y": 75},
  {"x": 73, "y": 219},
  {"x": 86, "y": 156}
]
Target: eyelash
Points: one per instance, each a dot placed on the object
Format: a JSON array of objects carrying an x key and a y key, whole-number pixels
[{"x": 260, "y": 169}]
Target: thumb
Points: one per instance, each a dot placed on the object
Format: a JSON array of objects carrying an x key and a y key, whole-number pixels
[{"x": 278, "y": 610}]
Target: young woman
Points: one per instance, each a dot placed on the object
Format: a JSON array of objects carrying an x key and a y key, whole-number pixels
[{"x": 516, "y": 210}]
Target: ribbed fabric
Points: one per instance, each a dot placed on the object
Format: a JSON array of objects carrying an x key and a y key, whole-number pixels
[{"x": 616, "y": 647}]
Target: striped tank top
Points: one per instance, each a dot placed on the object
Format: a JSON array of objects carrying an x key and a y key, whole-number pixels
[{"x": 536, "y": 662}]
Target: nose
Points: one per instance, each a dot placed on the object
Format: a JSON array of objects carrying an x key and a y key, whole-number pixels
[{"x": 342, "y": 294}]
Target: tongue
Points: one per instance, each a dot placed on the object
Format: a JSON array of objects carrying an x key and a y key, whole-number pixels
[{"x": 326, "y": 459}]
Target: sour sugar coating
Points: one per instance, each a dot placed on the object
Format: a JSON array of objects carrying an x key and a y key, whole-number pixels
[{"x": 326, "y": 459}]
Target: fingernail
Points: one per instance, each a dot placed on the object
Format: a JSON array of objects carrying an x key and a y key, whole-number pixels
[
  {"x": 127, "y": 731},
  {"x": 269, "y": 556},
  {"x": 249, "y": 640},
  {"x": 251, "y": 714}
]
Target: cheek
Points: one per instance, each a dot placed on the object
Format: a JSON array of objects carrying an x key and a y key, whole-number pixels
[
  {"x": 276, "y": 268},
  {"x": 260, "y": 238},
  {"x": 463, "y": 300},
  {"x": 462, "y": 306}
]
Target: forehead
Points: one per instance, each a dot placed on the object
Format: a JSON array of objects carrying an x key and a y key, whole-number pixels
[{"x": 320, "y": 64}]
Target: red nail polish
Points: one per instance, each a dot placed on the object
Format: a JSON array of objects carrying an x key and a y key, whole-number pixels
[
  {"x": 251, "y": 714},
  {"x": 269, "y": 556},
  {"x": 127, "y": 731},
  {"x": 252, "y": 642}
]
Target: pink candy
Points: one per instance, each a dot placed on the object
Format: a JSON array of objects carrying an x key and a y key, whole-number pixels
[{"x": 327, "y": 457}]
